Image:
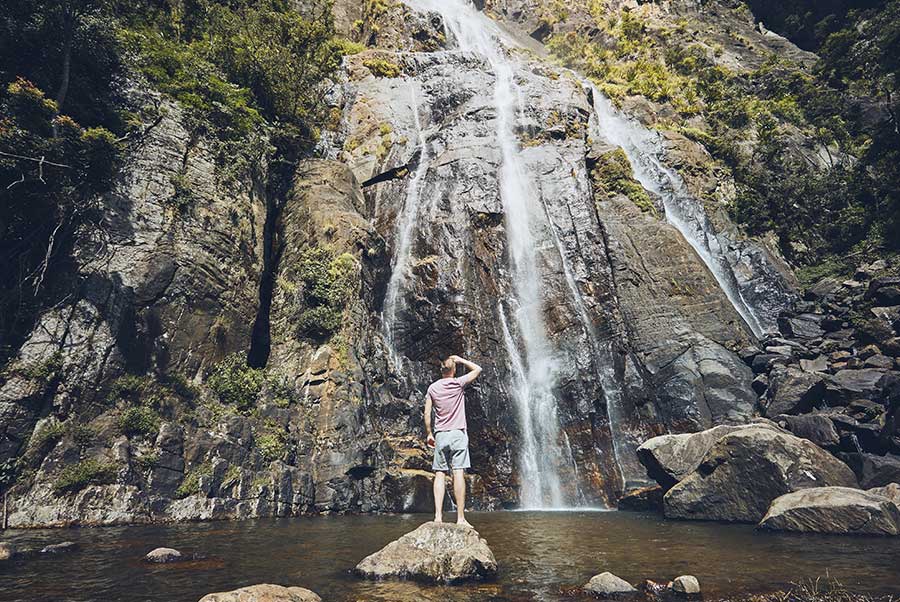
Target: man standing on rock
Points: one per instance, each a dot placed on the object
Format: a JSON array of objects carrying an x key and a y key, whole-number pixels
[{"x": 449, "y": 439}]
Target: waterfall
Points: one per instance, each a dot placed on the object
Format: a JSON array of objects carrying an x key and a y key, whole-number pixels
[
  {"x": 534, "y": 365},
  {"x": 644, "y": 149},
  {"x": 406, "y": 221}
]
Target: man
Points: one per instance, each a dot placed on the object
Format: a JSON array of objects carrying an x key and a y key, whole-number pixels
[{"x": 449, "y": 439}]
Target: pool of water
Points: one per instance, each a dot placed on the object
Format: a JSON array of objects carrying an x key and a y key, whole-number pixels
[{"x": 540, "y": 554}]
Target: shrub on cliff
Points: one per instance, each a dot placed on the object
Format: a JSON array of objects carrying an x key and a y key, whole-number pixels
[
  {"x": 325, "y": 284},
  {"x": 76, "y": 477},
  {"x": 236, "y": 383}
]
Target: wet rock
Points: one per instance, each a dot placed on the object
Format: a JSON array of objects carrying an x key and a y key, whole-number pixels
[
  {"x": 608, "y": 585},
  {"x": 793, "y": 391},
  {"x": 60, "y": 548},
  {"x": 163, "y": 556},
  {"x": 745, "y": 470},
  {"x": 434, "y": 552},
  {"x": 644, "y": 499},
  {"x": 264, "y": 592},
  {"x": 815, "y": 427},
  {"x": 873, "y": 470},
  {"x": 670, "y": 458},
  {"x": 833, "y": 510},
  {"x": 881, "y": 362},
  {"x": 686, "y": 584}
]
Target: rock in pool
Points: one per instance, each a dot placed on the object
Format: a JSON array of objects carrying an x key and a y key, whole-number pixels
[
  {"x": 264, "y": 592},
  {"x": 435, "y": 552},
  {"x": 60, "y": 548},
  {"x": 833, "y": 510},
  {"x": 686, "y": 584},
  {"x": 163, "y": 556},
  {"x": 7, "y": 550},
  {"x": 607, "y": 584}
]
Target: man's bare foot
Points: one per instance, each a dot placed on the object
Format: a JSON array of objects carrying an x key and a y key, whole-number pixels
[
  {"x": 438, "y": 519},
  {"x": 464, "y": 523}
]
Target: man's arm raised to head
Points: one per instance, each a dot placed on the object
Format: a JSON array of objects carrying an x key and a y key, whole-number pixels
[{"x": 472, "y": 374}]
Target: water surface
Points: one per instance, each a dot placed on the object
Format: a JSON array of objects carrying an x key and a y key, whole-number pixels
[{"x": 539, "y": 553}]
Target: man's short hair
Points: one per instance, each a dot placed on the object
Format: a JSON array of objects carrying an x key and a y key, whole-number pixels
[{"x": 448, "y": 366}]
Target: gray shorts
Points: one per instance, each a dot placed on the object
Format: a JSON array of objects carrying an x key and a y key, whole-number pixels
[{"x": 451, "y": 450}]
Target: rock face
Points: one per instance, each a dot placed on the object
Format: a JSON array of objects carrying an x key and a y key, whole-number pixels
[
  {"x": 608, "y": 585},
  {"x": 264, "y": 592},
  {"x": 833, "y": 510},
  {"x": 745, "y": 470},
  {"x": 435, "y": 552},
  {"x": 113, "y": 385}
]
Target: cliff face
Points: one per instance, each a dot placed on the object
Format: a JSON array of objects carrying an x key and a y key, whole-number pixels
[{"x": 118, "y": 407}]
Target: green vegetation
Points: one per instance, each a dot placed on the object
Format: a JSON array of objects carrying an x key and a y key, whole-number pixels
[
  {"x": 139, "y": 421},
  {"x": 826, "y": 204},
  {"x": 325, "y": 284},
  {"x": 45, "y": 439},
  {"x": 249, "y": 74},
  {"x": 235, "y": 383},
  {"x": 190, "y": 485},
  {"x": 272, "y": 445},
  {"x": 612, "y": 175},
  {"x": 76, "y": 477},
  {"x": 382, "y": 68}
]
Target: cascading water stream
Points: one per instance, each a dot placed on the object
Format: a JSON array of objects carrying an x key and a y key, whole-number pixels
[
  {"x": 644, "y": 148},
  {"x": 404, "y": 232},
  {"x": 534, "y": 369}
]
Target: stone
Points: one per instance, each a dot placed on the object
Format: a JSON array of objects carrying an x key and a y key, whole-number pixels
[
  {"x": 882, "y": 362},
  {"x": 760, "y": 384},
  {"x": 7, "y": 550},
  {"x": 887, "y": 296},
  {"x": 841, "y": 510},
  {"x": 264, "y": 592},
  {"x": 764, "y": 362},
  {"x": 819, "y": 364},
  {"x": 163, "y": 556},
  {"x": 60, "y": 548},
  {"x": 686, "y": 584},
  {"x": 823, "y": 288},
  {"x": 745, "y": 470},
  {"x": 890, "y": 491},
  {"x": 815, "y": 427},
  {"x": 608, "y": 585},
  {"x": 846, "y": 385},
  {"x": 670, "y": 458},
  {"x": 891, "y": 347},
  {"x": 793, "y": 391},
  {"x": 785, "y": 350},
  {"x": 872, "y": 470},
  {"x": 804, "y": 326},
  {"x": 643, "y": 499},
  {"x": 434, "y": 552}
]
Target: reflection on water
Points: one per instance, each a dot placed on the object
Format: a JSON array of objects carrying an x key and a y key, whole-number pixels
[{"x": 539, "y": 553}]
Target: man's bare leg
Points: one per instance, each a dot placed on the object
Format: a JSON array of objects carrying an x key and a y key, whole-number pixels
[
  {"x": 439, "y": 488},
  {"x": 459, "y": 492}
]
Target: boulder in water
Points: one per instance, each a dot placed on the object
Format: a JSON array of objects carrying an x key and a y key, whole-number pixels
[
  {"x": 264, "y": 592},
  {"x": 7, "y": 550},
  {"x": 607, "y": 584},
  {"x": 745, "y": 470},
  {"x": 642, "y": 499},
  {"x": 686, "y": 584},
  {"x": 833, "y": 510},
  {"x": 435, "y": 552},
  {"x": 890, "y": 491},
  {"x": 60, "y": 548},
  {"x": 163, "y": 556}
]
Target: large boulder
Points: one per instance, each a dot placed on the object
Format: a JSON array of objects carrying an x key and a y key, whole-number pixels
[
  {"x": 608, "y": 585},
  {"x": 833, "y": 510},
  {"x": 264, "y": 592},
  {"x": 890, "y": 491},
  {"x": 435, "y": 552},
  {"x": 163, "y": 556},
  {"x": 745, "y": 470},
  {"x": 793, "y": 391},
  {"x": 670, "y": 458},
  {"x": 818, "y": 428},
  {"x": 847, "y": 385}
]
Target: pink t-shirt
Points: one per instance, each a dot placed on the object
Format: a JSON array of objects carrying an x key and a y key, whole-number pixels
[{"x": 449, "y": 404}]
